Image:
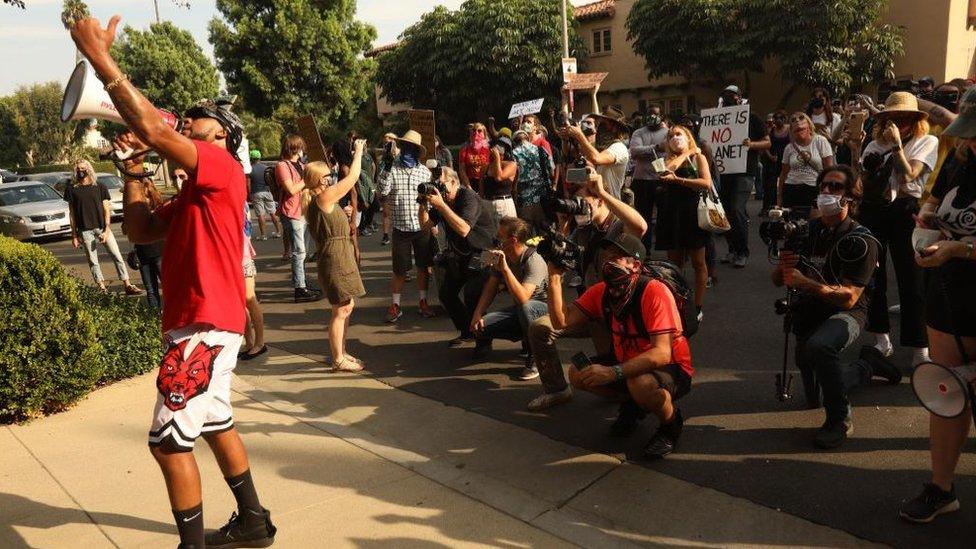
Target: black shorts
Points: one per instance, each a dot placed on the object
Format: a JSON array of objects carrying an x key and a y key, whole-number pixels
[
  {"x": 950, "y": 299},
  {"x": 408, "y": 248},
  {"x": 672, "y": 378}
]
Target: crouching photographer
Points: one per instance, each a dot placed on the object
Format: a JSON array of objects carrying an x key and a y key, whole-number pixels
[
  {"x": 604, "y": 217},
  {"x": 826, "y": 272},
  {"x": 650, "y": 366},
  {"x": 470, "y": 226}
]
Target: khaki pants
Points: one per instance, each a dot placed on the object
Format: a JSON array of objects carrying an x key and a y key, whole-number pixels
[{"x": 542, "y": 341}]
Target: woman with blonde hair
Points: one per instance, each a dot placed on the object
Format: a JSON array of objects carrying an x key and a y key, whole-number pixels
[
  {"x": 807, "y": 154},
  {"x": 337, "y": 262},
  {"x": 677, "y": 230}
]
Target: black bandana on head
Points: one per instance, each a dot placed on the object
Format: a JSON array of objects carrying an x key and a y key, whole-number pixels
[{"x": 621, "y": 282}]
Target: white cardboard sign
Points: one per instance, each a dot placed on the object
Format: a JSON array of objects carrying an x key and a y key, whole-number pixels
[
  {"x": 526, "y": 107},
  {"x": 724, "y": 129}
]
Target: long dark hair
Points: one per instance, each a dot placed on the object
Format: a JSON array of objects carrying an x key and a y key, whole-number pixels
[{"x": 828, "y": 108}]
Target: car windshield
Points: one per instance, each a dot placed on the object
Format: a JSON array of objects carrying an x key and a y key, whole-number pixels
[
  {"x": 110, "y": 181},
  {"x": 26, "y": 195}
]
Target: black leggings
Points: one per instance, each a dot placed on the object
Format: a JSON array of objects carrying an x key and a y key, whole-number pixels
[{"x": 892, "y": 225}]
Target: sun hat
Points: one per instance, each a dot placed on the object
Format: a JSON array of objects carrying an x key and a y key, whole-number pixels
[
  {"x": 964, "y": 126},
  {"x": 899, "y": 102},
  {"x": 413, "y": 137},
  {"x": 614, "y": 115}
]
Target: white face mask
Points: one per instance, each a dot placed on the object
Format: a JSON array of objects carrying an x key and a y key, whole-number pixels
[
  {"x": 679, "y": 141},
  {"x": 528, "y": 127},
  {"x": 584, "y": 219},
  {"x": 829, "y": 204}
]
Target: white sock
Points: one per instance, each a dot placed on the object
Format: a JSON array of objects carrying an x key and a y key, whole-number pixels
[
  {"x": 882, "y": 342},
  {"x": 396, "y": 299},
  {"x": 920, "y": 355},
  {"x": 423, "y": 295}
]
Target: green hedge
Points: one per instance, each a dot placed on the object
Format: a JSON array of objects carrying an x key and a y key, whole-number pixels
[
  {"x": 100, "y": 167},
  {"x": 61, "y": 338}
]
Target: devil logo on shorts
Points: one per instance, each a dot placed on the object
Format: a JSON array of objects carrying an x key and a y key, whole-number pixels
[{"x": 180, "y": 380}]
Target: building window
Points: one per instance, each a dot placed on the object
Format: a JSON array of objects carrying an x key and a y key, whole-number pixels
[{"x": 601, "y": 41}]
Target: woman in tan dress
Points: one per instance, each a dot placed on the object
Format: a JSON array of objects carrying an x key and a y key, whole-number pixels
[{"x": 338, "y": 268}]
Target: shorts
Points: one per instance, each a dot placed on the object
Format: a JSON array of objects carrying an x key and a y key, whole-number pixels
[
  {"x": 504, "y": 207},
  {"x": 419, "y": 245},
  {"x": 250, "y": 271},
  {"x": 672, "y": 378},
  {"x": 263, "y": 203},
  {"x": 193, "y": 386}
]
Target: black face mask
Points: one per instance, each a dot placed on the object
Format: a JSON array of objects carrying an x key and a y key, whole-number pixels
[
  {"x": 729, "y": 100},
  {"x": 80, "y": 174},
  {"x": 817, "y": 103},
  {"x": 654, "y": 121}
]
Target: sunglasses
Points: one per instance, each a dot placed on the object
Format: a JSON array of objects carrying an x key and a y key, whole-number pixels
[{"x": 833, "y": 186}]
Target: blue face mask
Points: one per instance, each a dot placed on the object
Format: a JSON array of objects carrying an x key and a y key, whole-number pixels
[{"x": 408, "y": 156}]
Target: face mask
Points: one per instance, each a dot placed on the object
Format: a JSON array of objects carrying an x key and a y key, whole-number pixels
[
  {"x": 829, "y": 204},
  {"x": 408, "y": 157},
  {"x": 654, "y": 121},
  {"x": 479, "y": 140},
  {"x": 528, "y": 127},
  {"x": 621, "y": 282},
  {"x": 583, "y": 219},
  {"x": 679, "y": 141},
  {"x": 80, "y": 174},
  {"x": 588, "y": 127},
  {"x": 727, "y": 101},
  {"x": 817, "y": 103}
]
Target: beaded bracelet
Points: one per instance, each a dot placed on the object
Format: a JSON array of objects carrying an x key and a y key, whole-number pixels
[{"x": 118, "y": 80}]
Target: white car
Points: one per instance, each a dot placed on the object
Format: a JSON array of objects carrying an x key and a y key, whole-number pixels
[{"x": 31, "y": 209}]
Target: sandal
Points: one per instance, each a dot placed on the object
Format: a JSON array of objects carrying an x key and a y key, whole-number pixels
[
  {"x": 346, "y": 365},
  {"x": 249, "y": 356},
  {"x": 354, "y": 359}
]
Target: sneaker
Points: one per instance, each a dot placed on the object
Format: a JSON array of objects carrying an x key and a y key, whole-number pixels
[
  {"x": 460, "y": 340},
  {"x": 529, "y": 371},
  {"x": 275, "y": 235},
  {"x": 932, "y": 502},
  {"x": 729, "y": 258},
  {"x": 880, "y": 366},
  {"x": 740, "y": 261},
  {"x": 666, "y": 438},
  {"x": 481, "y": 349},
  {"x": 711, "y": 282},
  {"x": 699, "y": 314},
  {"x": 261, "y": 238},
  {"x": 895, "y": 309},
  {"x": 425, "y": 310},
  {"x": 627, "y": 419},
  {"x": 347, "y": 364},
  {"x": 386, "y": 240},
  {"x": 250, "y": 530},
  {"x": 549, "y": 400},
  {"x": 394, "y": 313},
  {"x": 832, "y": 435},
  {"x": 304, "y": 295},
  {"x": 525, "y": 352},
  {"x": 132, "y": 289}
]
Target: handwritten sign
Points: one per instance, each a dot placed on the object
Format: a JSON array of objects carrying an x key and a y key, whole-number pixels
[
  {"x": 313, "y": 142},
  {"x": 569, "y": 67},
  {"x": 525, "y": 107},
  {"x": 724, "y": 129},
  {"x": 422, "y": 122},
  {"x": 584, "y": 80}
]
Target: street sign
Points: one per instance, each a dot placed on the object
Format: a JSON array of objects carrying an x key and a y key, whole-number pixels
[
  {"x": 525, "y": 107},
  {"x": 569, "y": 67}
]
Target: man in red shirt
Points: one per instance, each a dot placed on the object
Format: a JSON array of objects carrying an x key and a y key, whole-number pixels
[
  {"x": 474, "y": 156},
  {"x": 652, "y": 360},
  {"x": 203, "y": 315}
]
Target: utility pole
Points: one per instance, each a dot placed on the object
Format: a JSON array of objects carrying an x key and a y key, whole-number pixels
[
  {"x": 156, "y": 5},
  {"x": 566, "y": 107}
]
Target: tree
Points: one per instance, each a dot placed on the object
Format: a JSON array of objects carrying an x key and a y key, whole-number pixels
[
  {"x": 478, "y": 60},
  {"x": 263, "y": 134},
  {"x": 37, "y": 130},
  {"x": 295, "y": 56},
  {"x": 167, "y": 64},
  {"x": 838, "y": 44}
]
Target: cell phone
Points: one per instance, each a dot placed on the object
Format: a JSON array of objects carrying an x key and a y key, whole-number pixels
[
  {"x": 856, "y": 124},
  {"x": 577, "y": 175},
  {"x": 580, "y": 361},
  {"x": 487, "y": 259}
]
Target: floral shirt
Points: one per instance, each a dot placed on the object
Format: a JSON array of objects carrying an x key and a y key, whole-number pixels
[{"x": 533, "y": 183}]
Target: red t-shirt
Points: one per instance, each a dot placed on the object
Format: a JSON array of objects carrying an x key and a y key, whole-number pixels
[
  {"x": 475, "y": 161},
  {"x": 544, "y": 143},
  {"x": 201, "y": 271},
  {"x": 660, "y": 316}
]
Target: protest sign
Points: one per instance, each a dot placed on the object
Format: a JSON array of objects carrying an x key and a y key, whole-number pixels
[
  {"x": 525, "y": 107},
  {"x": 584, "y": 80},
  {"x": 313, "y": 142},
  {"x": 422, "y": 122},
  {"x": 724, "y": 129},
  {"x": 569, "y": 67}
]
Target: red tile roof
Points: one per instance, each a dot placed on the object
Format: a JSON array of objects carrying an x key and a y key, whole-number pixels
[{"x": 380, "y": 49}]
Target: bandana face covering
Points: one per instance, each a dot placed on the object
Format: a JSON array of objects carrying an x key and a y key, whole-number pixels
[
  {"x": 478, "y": 140},
  {"x": 621, "y": 283},
  {"x": 408, "y": 156}
]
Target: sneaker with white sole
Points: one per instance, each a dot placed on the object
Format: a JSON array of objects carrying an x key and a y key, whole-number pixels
[
  {"x": 932, "y": 502},
  {"x": 529, "y": 371},
  {"x": 549, "y": 400}
]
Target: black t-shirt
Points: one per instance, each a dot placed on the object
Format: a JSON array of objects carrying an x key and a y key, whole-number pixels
[
  {"x": 757, "y": 132},
  {"x": 846, "y": 255},
  {"x": 86, "y": 203},
  {"x": 478, "y": 215},
  {"x": 955, "y": 188}
]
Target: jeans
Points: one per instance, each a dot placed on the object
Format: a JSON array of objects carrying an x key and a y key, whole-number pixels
[
  {"x": 893, "y": 226},
  {"x": 150, "y": 271},
  {"x": 542, "y": 342},
  {"x": 90, "y": 241},
  {"x": 295, "y": 230},
  {"x": 818, "y": 358},
  {"x": 513, "y": 323},
  {"x": 458, "y": 280},
  {"x": 735, "y": 194}
]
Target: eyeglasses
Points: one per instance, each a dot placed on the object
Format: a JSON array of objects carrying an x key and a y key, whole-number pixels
[{"x": 832, "y": 186}]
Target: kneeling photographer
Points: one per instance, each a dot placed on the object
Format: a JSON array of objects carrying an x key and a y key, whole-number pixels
[
  {"x": 470, "y": 226},
  {"x": 826, "y": 272},
  {"x": 650, "y": 366},
  {"x": 602, "y": 216}
]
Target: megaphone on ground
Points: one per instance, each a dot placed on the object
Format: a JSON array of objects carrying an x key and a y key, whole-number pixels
[{"x": 942, "y": 390}]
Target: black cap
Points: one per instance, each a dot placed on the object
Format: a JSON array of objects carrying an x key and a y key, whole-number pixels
[{"x": 628, "y": 244}]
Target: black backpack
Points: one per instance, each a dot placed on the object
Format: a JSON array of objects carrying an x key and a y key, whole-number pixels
[{"x": 670, "y": 275}]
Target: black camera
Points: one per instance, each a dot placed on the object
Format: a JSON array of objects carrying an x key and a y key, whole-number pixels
[
  {"x": 428, "y": 188},
  {"x": 785, "y": 229},
  {"x": 560, "y": 251}
]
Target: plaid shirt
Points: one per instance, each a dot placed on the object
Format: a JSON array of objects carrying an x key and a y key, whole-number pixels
[{"x": 399, "y": 185}]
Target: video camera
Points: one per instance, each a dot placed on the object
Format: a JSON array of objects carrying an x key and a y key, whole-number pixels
[
  {"x": 558, "y": 250},
  {"x": 785, "y": 229}
]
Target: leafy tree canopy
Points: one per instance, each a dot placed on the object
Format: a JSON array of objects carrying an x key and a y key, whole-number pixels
[
  {"x": 287, "y": 57},
  {"x": 32, "y": 126}
]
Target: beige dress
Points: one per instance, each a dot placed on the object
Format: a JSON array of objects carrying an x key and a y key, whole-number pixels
[{"x": 338, "y": 272}]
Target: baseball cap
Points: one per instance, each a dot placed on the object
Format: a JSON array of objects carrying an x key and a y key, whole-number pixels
[
  {"x": 255, "y": 154},
  {"x": 732, "y": 88},
  {"x": 964, "y": 126},
  {"x": 628, "y": 244}
]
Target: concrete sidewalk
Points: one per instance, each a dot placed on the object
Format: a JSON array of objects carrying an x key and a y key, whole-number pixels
[{"x": 347, "y": 461}]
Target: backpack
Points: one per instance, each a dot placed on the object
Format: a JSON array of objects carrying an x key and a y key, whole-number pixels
[
  {"x": 670, "y": 275},
  {"x": 272, "y": 183}
]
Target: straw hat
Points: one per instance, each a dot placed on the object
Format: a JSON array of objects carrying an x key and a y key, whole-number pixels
[
  {"x": 413, "y": 138},
  {"x": 899, "y": 102}
]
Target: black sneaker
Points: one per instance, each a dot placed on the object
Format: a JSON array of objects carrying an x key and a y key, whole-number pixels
[
  {"x": 627, "y": 419},
  {"x": 833, "y": 434},
  {"x": 249, "y": 530},
  {"x": 666, "y": 438},
  {"x": 879, "y": 365},
  {"x": 460, "y": 341},
  {"x": 304, "y": 295},
  {"x": 481, "y": 349},
  {"x": 932, "y": 502},
  {"x": 386, "y": 240}
]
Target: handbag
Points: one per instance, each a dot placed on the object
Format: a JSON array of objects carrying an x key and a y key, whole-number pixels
[
  {"x": 132, "y": 260},
  {"x": 711, "y": 214}
]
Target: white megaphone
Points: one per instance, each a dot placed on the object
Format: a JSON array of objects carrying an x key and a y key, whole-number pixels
[
  {"x": 942, "y": 390},
  {"x": 84, "y": 98}
]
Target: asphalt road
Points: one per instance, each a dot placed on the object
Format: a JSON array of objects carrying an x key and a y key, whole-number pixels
[{"x": 738, "y": 438}]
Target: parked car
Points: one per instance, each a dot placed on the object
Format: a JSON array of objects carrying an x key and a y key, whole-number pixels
[
  {"x": 51, "y": 178},
  {"x": 112, "y": 182},
  {"x": 32, "y": 209},
  {"x": 7, "y": 176}
]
